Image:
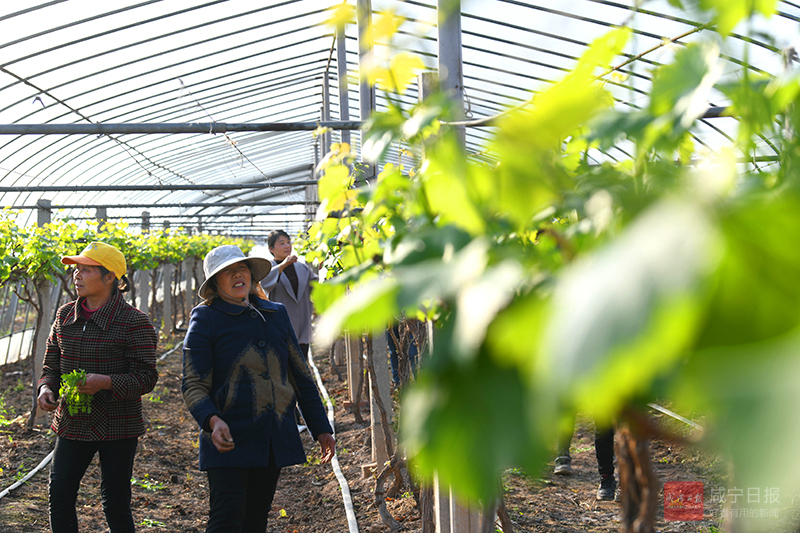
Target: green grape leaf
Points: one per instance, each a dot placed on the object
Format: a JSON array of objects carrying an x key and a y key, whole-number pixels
[
  {"x": 626, "y": 314},
  {"x": 427, "y": 243},
  {"x": 371, "y": 306},
  {"x": 334, "y": 182},
  {"x": 681, "y": 89},
  {"x": 756, "y": 294},
  {"x": 380, "y": 131},
  {"x": 728, "y": 13},
  {"x": 747, "y": 393},
  {"x": 447, "y": 189},
  {"x": 481, "y": 415}
]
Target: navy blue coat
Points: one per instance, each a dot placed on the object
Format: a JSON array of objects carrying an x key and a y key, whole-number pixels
[{"x": 250, "y": 372}]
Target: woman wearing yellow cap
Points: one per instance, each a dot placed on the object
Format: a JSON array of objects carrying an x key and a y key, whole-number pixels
[{"x": 115, "y": 344}]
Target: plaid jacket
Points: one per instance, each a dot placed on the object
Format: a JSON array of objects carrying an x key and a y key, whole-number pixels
[{"x": 118, "y": 340}]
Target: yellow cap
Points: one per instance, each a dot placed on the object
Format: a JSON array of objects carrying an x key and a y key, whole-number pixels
[{"x": 100, "y": 254}]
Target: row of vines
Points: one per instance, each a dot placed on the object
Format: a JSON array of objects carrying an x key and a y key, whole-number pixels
[
  {"x": 30, "y": 262},
  {"x": 32, "y": 254},
  {"x": 560, "y": 280}
]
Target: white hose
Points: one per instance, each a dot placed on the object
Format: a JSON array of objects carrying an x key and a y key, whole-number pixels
[
  {"x": 675, "y": 415},
  {"x": 50, "y": 455},
  {"x": 171, "y": 351},
  {"x": 352, "y": 524},
  {"x": 28, "y": 475}
]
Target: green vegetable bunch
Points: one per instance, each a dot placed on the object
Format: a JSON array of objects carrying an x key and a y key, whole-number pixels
[{"x": 77, "y": 402}]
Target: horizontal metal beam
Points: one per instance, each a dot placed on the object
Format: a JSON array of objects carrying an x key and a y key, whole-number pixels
[
  {"x": 222, "y": 127},
  {"x": 180, "y": 127},
  {"x": 717, "y": 112},
  {"x": 167, "y": 187},
  {"x": 711, "y": 112},
  {"x": 171, "y": 187},
  {"x": 201, "y": 217},
  {"x": 166, "y": 205}
]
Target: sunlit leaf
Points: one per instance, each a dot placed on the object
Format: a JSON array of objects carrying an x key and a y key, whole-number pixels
[
  {"x": 602, "y": 51},
  {"x": 455, "y": 418},
  {"x": 447, "y": 193},
  {"x": 325, "y": 294},
  {"x": 728, "y": 13},
  {"x": 747, "y": 394},
  {"x": 402, "y": 70},
  {"x": 756, "y": 101},
  {"x": 514, "y": 337},
  {"x": 428, "y": 243},
  {"x": 380, "y": 131},
  {"x": 344, "y": 14},
  {"x": 478, "y": 305},
  {"x": 334, "y": 182},
  {"x": 369, "y": 307},
  {"x": 336, "y": 203},
  {"x": 682, "y": 87},
  {"x": 756, "y": 296},
  {"x": 631, "y": 309},
  {"x": 422, "y": 118},
  {"x": 385, "y": 26},
  {"x": 530, "y": 177}
]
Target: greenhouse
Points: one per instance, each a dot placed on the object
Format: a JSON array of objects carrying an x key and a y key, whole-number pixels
[{"x": 585, "y": 206}]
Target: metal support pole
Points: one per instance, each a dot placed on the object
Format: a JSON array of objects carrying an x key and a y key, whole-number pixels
[
  {"x": 45, "y": 289},
  {"x": 168, "y": 274},
  {"x": 9, "y": 310},
  {"x": 44, "y": 208},
  {"x": 144, "y": 292},
  {"x": 188, "y": 288},
  {"x": 427, "y": 84},
  {"x": 148, "y": 127},
  {"x": 101, "y": 214},
  {"x": 365, "y": 52},
  {"x": 353, "y": 354},
  {"x": 145, "y": 221},
  {"x": 344, "y": 90},
  {"x": 311, "y": 192},
  {"x": 451, "y": 69},
  {"x": 326, "y": 113},
  {"x": 380, "y": 351}
]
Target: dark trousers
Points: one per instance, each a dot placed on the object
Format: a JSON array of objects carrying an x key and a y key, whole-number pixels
[
  {"x": 604, "y": 451},
  {"x": 603, "y": 447},
  {"x": 71, "y": 458},
  {"x": 240, "y": 498}
]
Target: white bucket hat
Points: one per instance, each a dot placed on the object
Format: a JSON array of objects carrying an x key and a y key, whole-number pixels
[{"x": 223, "y": 256}]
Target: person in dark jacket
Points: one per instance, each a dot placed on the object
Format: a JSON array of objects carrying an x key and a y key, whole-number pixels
[
  {"x": 115, "y": 345},
  {"x": 243, "y": 374}
]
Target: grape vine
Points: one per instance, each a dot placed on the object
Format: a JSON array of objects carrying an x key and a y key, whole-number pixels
[
  {"x": 77, "y": 402},
  {"x": 560, "y": 279}
]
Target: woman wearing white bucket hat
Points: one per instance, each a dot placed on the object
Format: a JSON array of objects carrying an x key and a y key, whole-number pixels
[{"x": 243, "y": 376}]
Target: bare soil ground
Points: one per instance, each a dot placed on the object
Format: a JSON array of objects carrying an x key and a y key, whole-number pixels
[{"x": 170, "y": 493}]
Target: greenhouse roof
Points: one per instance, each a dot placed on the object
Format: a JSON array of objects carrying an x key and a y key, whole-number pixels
[{"x": 237, "y": 62}]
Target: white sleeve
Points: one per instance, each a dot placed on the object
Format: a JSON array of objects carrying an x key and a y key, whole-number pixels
[{"x": 271, "y": 280}]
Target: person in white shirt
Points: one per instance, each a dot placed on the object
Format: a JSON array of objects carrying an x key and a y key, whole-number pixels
[{"x": 289, "y": 283}]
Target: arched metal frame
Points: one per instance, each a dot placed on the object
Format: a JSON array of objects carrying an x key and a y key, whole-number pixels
[{"x": 226, "y": 61}]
